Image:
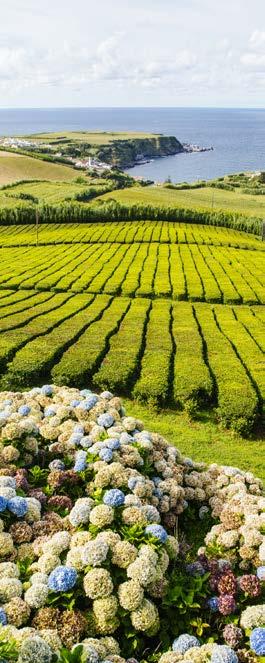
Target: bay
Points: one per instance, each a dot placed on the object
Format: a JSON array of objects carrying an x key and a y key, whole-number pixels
[{"x": 237, "y": 135}]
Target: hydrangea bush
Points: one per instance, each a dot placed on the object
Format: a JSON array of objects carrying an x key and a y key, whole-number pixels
[{"x": 115, "y": 547}]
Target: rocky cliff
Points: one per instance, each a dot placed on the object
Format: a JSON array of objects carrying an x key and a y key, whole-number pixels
[{"x": 127, "y": 153}]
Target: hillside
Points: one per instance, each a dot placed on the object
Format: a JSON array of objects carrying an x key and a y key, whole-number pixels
[
  {"x": 206, "y": 197},
  {"x": 15, "y": 167},
  {"x": 118, "y": 149}
]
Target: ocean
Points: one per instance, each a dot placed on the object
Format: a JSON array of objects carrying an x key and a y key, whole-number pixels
[{"x": 237, "y": 135}]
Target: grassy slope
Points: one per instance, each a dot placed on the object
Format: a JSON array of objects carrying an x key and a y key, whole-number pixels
[
  {"x": 202, "y": 440},
  {"x": 17, "y": 167},
  {"x": 193, "y": 198},
  {"x": 49, "y": 192}
]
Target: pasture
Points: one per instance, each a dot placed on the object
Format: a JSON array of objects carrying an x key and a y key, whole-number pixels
[
  {"x": 15, "y": 167},
  {"x": 206, "y": 197}
]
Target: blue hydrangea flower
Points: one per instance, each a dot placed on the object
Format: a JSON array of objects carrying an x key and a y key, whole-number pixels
[
  {"x": 75, "y": 403},
  {"x": 24, "y": 410},
  {"x": 62, "y": 578},
  {"x": 18, "y": 506},
  {"x": 49, "y": 411},
  {"x": 3, "y": 617},
  {"x": 47, "y": 390},
  {"x": 3, "y": 503},
  {"x": 8, "y": 481},
  {"x": 125, "y": 438},
  {"x": 195, "y": 569},
  {"x": 257, "y": 641},
  {"x": 86, "y": 442},
  {"x": 261, "y": 572},
  {"x": 85, "y": 392},
  {"x": 90, "y": 402},
  {"x": 133, "y": 481},
  {"x": 78, "y": 429},
  {"x": 106, "y": 420},
  {"x": 156, "y": 480},
  {"x": 91, "y": 655},
  {"x": 105, "y": 454},
  {"x": 157, "y": 531},
  {"x": 223, "y": 654},
  {"x": 114, "y": 497},
  {"x": 184, "y": 642},
  {"x": 107, "y": 395},
  {"x": 75, "y": 438},
  {"x": 80, "y": 461},
  {"x": 212, "y": 603},
  {"x": 157, "y": 493},
  {"x": 56, "y": 464},
  {"x": 113, "y": 443}
]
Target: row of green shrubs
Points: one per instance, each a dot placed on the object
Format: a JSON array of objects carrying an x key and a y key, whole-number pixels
[{"x": 113, "y": 211}]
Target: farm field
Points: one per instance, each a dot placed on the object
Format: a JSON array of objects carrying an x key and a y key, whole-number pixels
[
  {"x": 207, "y": 197},
  {"x": 185, "y": 271},
  {"x": 125, "y": 233},
  {"x": 50, "y": 192},
  {"x": 18, "y": 167},
  {"x": 131, "y": 307},
  {"x": 93, "y": 137},
  {"x": 140, "y": 346}
]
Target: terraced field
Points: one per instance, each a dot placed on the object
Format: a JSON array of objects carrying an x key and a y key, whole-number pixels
[
  {"x": 170, "y": 313},
  {"x": 184, "y": 271},
  {"x": 126, "y": 233}
]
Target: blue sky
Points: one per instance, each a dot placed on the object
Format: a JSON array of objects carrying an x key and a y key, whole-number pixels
[{"x": 132, "y": 53}]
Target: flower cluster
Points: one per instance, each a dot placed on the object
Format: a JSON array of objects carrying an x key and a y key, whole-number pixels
[{"x": 95, "y": 538}]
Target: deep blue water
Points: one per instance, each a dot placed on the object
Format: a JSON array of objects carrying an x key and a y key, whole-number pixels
[{"x": 237, "y": 135}]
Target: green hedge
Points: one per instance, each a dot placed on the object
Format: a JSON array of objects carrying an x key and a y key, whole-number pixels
[{"x": 112, "y": 211}]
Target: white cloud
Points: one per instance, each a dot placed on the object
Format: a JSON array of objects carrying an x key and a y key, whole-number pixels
[{"x": 257, "y": 39}]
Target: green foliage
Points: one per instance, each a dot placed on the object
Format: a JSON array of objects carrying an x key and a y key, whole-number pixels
[
  {"x": 8, "y": 648},
  {"x": 76, "y": 656}
]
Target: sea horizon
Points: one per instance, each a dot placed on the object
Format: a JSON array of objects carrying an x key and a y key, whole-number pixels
[{"x": 237, "y": 135}]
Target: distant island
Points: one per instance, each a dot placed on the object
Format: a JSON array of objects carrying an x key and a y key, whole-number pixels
[{"x": 99, "y": 150}]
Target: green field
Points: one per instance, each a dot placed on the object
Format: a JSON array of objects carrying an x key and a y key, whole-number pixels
[
  {"x": 132, "y": 307},
  {"x": 50, "y": 192},
  {"x": 92, "y": 137},
  {"x": 154, "y": 232},
  {"x": 16, "y": 167},
  {"x": 207, "y": 197}
]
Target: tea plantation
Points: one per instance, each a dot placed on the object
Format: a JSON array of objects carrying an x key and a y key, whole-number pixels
[{"x": 168, "y": 312}]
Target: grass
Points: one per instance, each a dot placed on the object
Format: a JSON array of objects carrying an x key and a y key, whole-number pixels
[
  {"x": 16, "y": 167},
  {"x": 92, "y": 137},
  {"x": 50, "y": 192},
  {"x": 203, "y": 440},
  {"x": 233, "y": 201}
]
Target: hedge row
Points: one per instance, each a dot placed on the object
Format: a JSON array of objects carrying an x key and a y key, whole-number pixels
[
  {"x": 246, "y": 348},
  {"x": 39, "y": 320},
  {"x": 192, "y": 385},
  {"x": 88, "y": 276},
  {"x": 250, "y": 273},
  {"x": 80, "y": 361},
  {"x": 76, "y": 212},
  {"x": 132, "y": 281},
  {"x": 162, "y": 284},
  {"x": 119, "y": 366},
  {"x": 32, "y": 362},
  {"x": 154, "y": 381},
  {"x": 229, "y": 292},
  {"x": 238, "y": 403},
  {"x": 127, "y": 232},
  {"x": 148, "y": 272}
]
